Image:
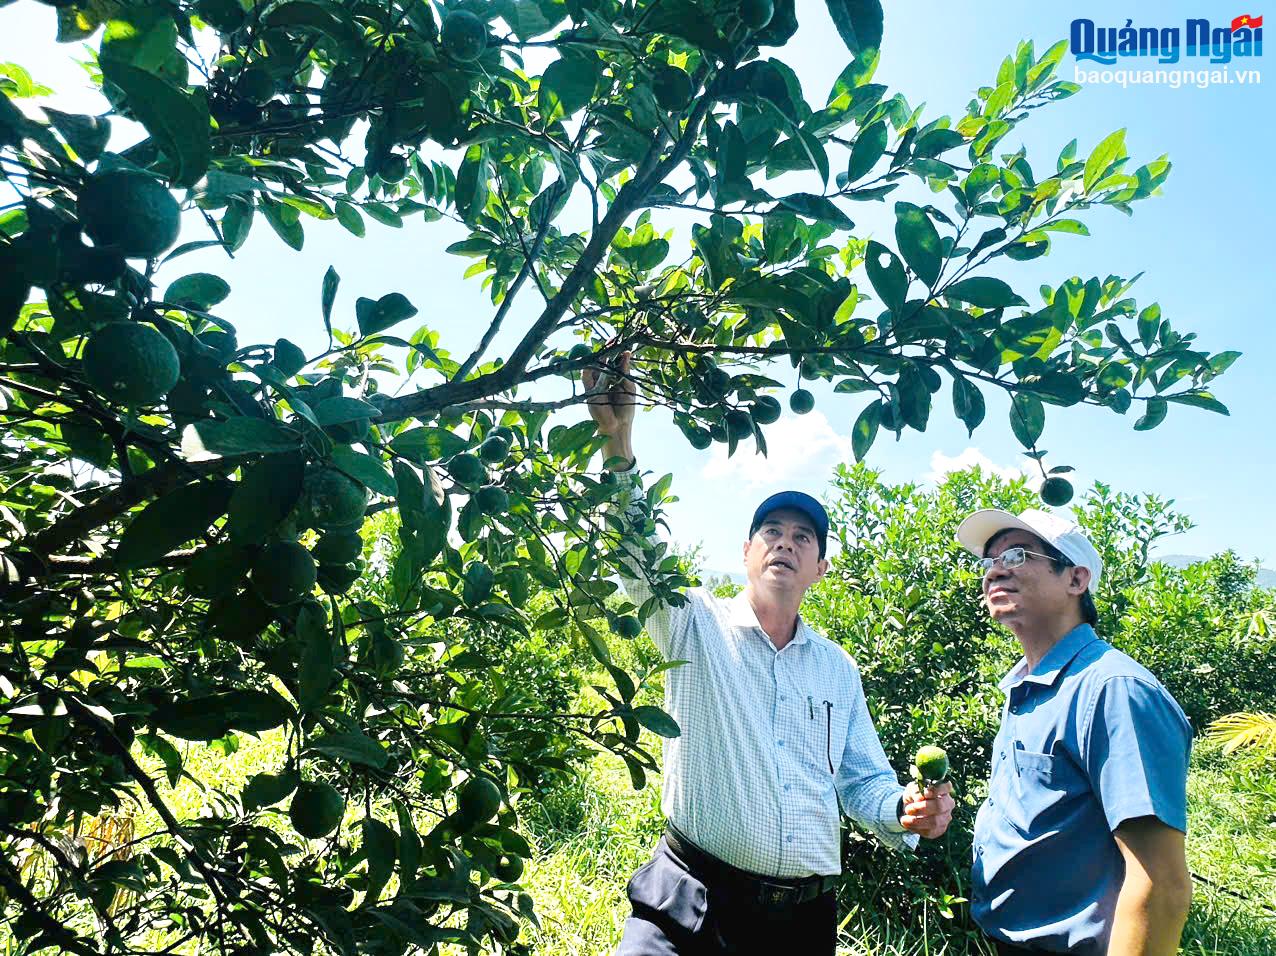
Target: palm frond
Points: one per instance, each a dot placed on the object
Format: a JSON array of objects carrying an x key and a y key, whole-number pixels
[{"x": 1244, "y": 731}]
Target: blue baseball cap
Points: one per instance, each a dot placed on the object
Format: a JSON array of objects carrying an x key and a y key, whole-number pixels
[{"x": 798, "y": 502}]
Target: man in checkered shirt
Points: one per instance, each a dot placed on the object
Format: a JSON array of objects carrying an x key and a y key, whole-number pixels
[{"x": 776, "y": 743}]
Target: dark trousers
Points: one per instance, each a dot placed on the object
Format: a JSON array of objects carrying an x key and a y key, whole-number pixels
[
  {"x": 679, "y": 911},
  {"x": 1013, "y": 949}
]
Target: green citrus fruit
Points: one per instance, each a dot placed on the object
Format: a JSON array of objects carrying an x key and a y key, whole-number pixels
[
  {"x": 464, "y": 36},
  {"x": 477, "y": 802},
  {"x": 131, "y": 212},
  {"x": 284, "y": 572},
  {"x": 130, "y": 363},
  {"x": 494, "y": 450},
  {"x": 316, "y": 810},
  {"x": 348, "y": 432},
  {"x": 765, "y": 410},
  {"x": 337, "y": 578},
  {"x": 627, "y": 626},
  {"x": 739, "y": 424},
  {"x": 338, "y": 547},
  {"x": 478, "y": 583},
  {"x": 333, "y": 499},
  {"x": 1056, "y": 491},
  {"x": 393, "y": 168},
  {"x": 467, "y": 469},
  {"x": 509, "y": 868},
  {"x": 717, "y": 381},
  {"x": 756, "y": 14},
  {"x": 256, "y": 85},
  {"x": 932, "y": 763},
  {"x": 801, "y": 401},
  {"x": 386, "y": 654},
  {"x": 492, "y": 500},
  {"x": 698, "y": 437},
  {"x": 226, "y": 16},
  {"x": 503, "y": 433},
  {"x": 579, "y": 352},
  {"x": 672, "y": 87}
]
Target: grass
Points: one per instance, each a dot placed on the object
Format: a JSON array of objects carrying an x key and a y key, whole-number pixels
[{"x": 594, "y": 833}]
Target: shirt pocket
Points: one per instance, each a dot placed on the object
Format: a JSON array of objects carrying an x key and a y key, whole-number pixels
[
  {"x": 666, "y": 888},
  {"x": 1041, "y": 788},
  {"x": 823, "y": 734}
]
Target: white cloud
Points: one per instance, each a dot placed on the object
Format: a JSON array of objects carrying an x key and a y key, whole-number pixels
[
  {"x": 941, "y": 465},
  {"x": 798, "y": 446}
]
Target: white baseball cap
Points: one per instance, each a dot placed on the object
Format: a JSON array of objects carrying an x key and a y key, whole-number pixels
[{"x": 1061, "y": 533}]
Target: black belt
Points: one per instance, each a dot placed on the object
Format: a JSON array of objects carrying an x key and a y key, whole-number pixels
[{"x": 775, "y": 892}]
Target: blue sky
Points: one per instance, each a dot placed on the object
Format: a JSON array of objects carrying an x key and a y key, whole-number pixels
[{"x": 1203, "y": 247}]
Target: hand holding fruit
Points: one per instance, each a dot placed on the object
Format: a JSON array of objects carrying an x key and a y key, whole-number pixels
[{"x": 928, "y": 802}]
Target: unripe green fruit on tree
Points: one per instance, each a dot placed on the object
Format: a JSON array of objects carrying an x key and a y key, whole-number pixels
[
  {"x": 131, "y": 212},
  {"x": 467, "y": 469},
  {"x": 393, "y": 169},
  {"x": 801, "y": 401},
  {"x": 494, "y": 449},
  {"x": 739, "y": 424},
  {"x": 338, "y": 547},
  {"x": 492, "y": 500},
  {"x": 256, "y": 85},
  {"x": 283, "y": 573},
  {"x": 316, "y": 810},
  {"x": 756, "y": 14},
  {"x": 130, "y": 363},
  {"x": 1056, "y": 491},
  {"x": 672, "y": 87},
  {"x": 476, "y": 803},
  {"x": 627, "y": 626},
  {"x": 509, "y": 868},
  {"x": 765, "y": 410},
  {"x": 464, "y": 36},
  {"x": 333, "y": 500}
]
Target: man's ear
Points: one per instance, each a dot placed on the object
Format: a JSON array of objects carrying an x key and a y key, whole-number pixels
[
  {"x": 1080, "y": 582},
  {"x": 821, "y": 569}
]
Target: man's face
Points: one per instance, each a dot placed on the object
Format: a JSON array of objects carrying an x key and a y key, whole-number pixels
[
  {"x": 784, "y": 552},
  {"x": 1033, "y": 591}
]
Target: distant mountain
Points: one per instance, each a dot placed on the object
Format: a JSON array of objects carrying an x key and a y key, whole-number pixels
[{"x": 1266, "y": 578}]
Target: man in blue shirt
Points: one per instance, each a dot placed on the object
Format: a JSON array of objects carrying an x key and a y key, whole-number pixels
[{"x": 1079, "y": 845}]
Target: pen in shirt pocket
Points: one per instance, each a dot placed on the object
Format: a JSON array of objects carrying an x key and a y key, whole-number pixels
[{"x": 810, "y": 707}]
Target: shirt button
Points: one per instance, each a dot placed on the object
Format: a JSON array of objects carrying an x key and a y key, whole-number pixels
[
  {"x": 780, "y": 742},
  {"x": 788, "y": 787},
  {"x": 784, "y": 697},
  {"x": 1003, "y": 755},
  {"x": 790, "y": 838}
]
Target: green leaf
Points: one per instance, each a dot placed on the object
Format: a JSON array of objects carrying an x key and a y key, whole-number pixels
[
  {"x": 968, "y": 403},
  {"x": 365, "y": 469},
  {"x": 381, "y": 847},
  {"x": 87, "y": 135},
  {"x": 864, "y": 431},
  {"x": 349, "y": 217},
  {"x": 918, "y": 242},
  {"x": 859, "y": 22},
  {"x": 1027, "y": 418},
  {"x": 868, "y": 148},
  {"x": 316, "y": 667},
  {"x": 286, "y": 221},
  {"x": 267, "y": 789},
  {"x": 328, "y": 296},
  {"x": 1153, "y": 415},
  {"x": 353, "y": 747},
  {"x": 268, "y": 491},
  {"x": 171, "y": 521},
  {"x": 984, "y": 292},
  {"x": 177, "y": 120},
  {"x": 1199, "y": 399},
  {"x": 1149, "y": 323},
  {"x": 428, "y": 443},
  {"x": 238, "y": 436},
  {"x": 567, "y": 85},
  {"x": 1105, "y": 154},
  {"x": 887, "y": 275},
  {"x": 376, "y": 316},
  {"x": 339, "y": 409},
  {"x": 819, "y": 208},
  {"x": 471, "y": 183},
  {"x": 199, "y": 290},
  {"x": 657, "y": 721}
]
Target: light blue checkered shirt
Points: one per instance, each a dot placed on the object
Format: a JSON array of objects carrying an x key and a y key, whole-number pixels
[{"x": 770, "y": 740}]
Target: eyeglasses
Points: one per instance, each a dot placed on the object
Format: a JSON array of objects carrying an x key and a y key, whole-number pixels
[{"x": 1011, "y": 558}]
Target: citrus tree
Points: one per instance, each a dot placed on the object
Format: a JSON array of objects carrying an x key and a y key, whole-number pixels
[{"x": 182, "y": 557}]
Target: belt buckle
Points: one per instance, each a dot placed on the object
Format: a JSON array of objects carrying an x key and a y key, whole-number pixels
[{"x": 778, "y": 895}]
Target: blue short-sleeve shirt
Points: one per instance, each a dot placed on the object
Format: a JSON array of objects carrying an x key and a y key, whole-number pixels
[{"x": 1088, "y": 740}]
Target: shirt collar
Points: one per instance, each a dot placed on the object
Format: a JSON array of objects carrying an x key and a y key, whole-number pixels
[
  {"x": 741, "y": 615},
  {"x": 1052, "y": 665}
]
